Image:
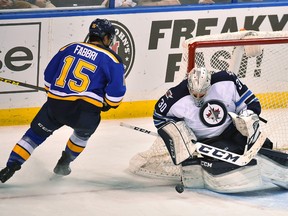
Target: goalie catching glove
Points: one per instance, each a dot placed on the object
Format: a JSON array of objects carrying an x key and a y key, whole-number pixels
[{"x": 247, "y": 123}]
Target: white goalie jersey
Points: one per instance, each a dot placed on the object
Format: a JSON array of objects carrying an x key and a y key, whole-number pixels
[{"x": 226, "y": 94}]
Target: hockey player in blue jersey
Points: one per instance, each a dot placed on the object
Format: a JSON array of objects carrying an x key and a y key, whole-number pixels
[
  {"x": 222, "y": 112},
  {"x": 81, "y": 80}
]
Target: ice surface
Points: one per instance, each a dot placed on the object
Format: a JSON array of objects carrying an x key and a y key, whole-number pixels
[{"x": 101, "y": 185}]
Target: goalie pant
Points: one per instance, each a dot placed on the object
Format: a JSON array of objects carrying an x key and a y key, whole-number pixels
[{"x": 269, "y": 165}]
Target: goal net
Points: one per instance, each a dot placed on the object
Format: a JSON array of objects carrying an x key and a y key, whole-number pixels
[{"x": 260, "y": 60}]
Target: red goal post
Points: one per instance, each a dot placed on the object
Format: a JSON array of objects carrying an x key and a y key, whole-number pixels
[
  {"x": 260, "y": 60},
  {"x": 222, "y": 43}
]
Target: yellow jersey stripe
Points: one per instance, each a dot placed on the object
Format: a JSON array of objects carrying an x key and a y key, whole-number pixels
[
  {"x": 74, "y": 98},
  {"x": 113, "y": 104}
]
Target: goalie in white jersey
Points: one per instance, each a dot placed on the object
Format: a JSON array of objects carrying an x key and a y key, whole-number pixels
[{"x": 219, "y": 110}]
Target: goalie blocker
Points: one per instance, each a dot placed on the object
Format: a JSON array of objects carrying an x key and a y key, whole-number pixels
[{"x": 178, "y": 140}]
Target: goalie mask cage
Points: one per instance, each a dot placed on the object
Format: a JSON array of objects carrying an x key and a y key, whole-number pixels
[{"x": 260, "y": 60}]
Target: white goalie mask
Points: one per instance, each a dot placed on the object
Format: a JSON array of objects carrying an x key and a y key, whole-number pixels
[{"x": 199, "y": 82}]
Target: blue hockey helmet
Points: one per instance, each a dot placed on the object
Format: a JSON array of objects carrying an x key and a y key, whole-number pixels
[{"x": 101, "y": 28}]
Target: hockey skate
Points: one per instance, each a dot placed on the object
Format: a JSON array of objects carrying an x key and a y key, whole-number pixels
[
  {"x": 8, "y": 172},
  {"x": 62, "y": 167}
]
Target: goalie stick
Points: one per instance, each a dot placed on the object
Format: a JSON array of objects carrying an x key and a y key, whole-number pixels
[
  {"x": 17, "y": 83},
  {"x": 220, "y": 154}
]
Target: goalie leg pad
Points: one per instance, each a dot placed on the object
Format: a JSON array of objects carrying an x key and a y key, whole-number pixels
[
  {"x": 268, "y": 144},
  {"x": 274, "y": 167},
  {"x": 219, "y": 176},
  {"x": 217, "y": 167},
  {"x": 277, "y": 156},
  {"x": 192, "y": 174},
  {"x": 155, "y": 162},
  {"x": 227, "y": 178},
  {"x": 178, "y": 140}
]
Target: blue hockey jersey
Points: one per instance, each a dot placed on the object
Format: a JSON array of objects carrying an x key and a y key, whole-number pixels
[{"x": 88, "y": 72}]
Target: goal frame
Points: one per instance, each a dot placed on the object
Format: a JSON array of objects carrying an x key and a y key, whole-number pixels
[{"x": 222, "y": 43}]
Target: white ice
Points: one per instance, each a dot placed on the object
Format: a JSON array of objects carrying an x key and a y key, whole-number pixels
[{"x": 100, "y": 183}]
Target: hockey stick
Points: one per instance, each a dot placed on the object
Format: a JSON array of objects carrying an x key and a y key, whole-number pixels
[
  {"x": 220, "y": 154},
  {"x": 17, "y": 83},
  {"x": 139, "y": 129}
]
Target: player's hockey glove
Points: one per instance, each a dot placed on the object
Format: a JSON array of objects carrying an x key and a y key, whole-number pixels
[{"x": 105, "y": 107}]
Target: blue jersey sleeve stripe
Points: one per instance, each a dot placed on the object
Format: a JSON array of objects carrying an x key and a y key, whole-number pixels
[{"x": 243, "y": 98}]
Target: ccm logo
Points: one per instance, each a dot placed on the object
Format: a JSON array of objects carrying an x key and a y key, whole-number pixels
[
  {"x": 172, "y": 149},
  {"x": 218, "y": 153},
  {"x": 206, "y": 164}
]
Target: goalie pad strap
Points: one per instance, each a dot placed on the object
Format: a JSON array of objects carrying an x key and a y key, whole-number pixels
[{"x": 178, "y": 140}]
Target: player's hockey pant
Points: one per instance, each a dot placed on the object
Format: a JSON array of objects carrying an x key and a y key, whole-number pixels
[{"x": 53, "y": 115}]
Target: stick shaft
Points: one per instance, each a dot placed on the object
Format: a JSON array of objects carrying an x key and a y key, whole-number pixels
[
  {"x": 139, "y": 129},
  {"x": 17, "y": 83}
]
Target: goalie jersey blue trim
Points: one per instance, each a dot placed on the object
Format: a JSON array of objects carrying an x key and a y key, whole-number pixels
[
  {"x": 88, "y": 72},
  {"x": 226, "y": 94}
]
